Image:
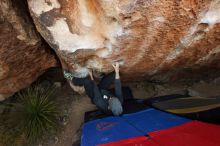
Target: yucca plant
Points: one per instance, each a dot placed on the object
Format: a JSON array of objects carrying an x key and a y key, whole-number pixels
[{"x": 35, "y": 113}]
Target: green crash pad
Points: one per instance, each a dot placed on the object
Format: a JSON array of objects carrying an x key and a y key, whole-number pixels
[{"x": 185, "y": 105}]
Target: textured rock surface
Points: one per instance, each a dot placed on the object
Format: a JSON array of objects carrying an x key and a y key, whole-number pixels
[
  {"x": 163, "y": 40},
  {"x": 205, "y": 89},
  {"x": 23, "y": 55}
]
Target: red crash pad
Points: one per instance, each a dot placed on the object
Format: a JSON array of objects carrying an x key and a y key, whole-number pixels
[
  {"x": 190, "y": 134},
  {"x": 136, "y": 141}
]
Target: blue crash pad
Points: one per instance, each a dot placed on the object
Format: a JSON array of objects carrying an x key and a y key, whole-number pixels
[
  {"x": 150, "y": 120},
  {"x": 129, "y": 125},
  {"x": 107, "y": 130}
]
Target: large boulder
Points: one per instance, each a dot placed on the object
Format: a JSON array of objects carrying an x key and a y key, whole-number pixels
[
  {"x": 23, "y": 54},
  {"x": 154, "y": 39}
]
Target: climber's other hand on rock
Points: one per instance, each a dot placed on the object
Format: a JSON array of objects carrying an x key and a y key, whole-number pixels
[{"x": 116, "y": 68}]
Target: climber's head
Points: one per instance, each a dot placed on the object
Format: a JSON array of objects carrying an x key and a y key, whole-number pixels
[{"x": 115, "y": 106}]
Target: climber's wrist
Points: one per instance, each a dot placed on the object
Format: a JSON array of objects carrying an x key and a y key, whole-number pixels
[{"x": 117, "y": 76}]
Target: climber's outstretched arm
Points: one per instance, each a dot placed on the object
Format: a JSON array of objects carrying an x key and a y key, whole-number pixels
[{"x": 118, "y": 89}]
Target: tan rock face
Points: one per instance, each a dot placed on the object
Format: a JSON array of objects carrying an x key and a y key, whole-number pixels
[
  {"x": 153, "y": 38},
  {"x": 23, "y": 55}
]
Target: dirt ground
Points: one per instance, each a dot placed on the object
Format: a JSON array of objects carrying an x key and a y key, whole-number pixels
[{"x": 73, "y": 107}]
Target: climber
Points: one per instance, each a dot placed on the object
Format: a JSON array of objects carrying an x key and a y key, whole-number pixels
[{"x": 100, "y": 94}]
